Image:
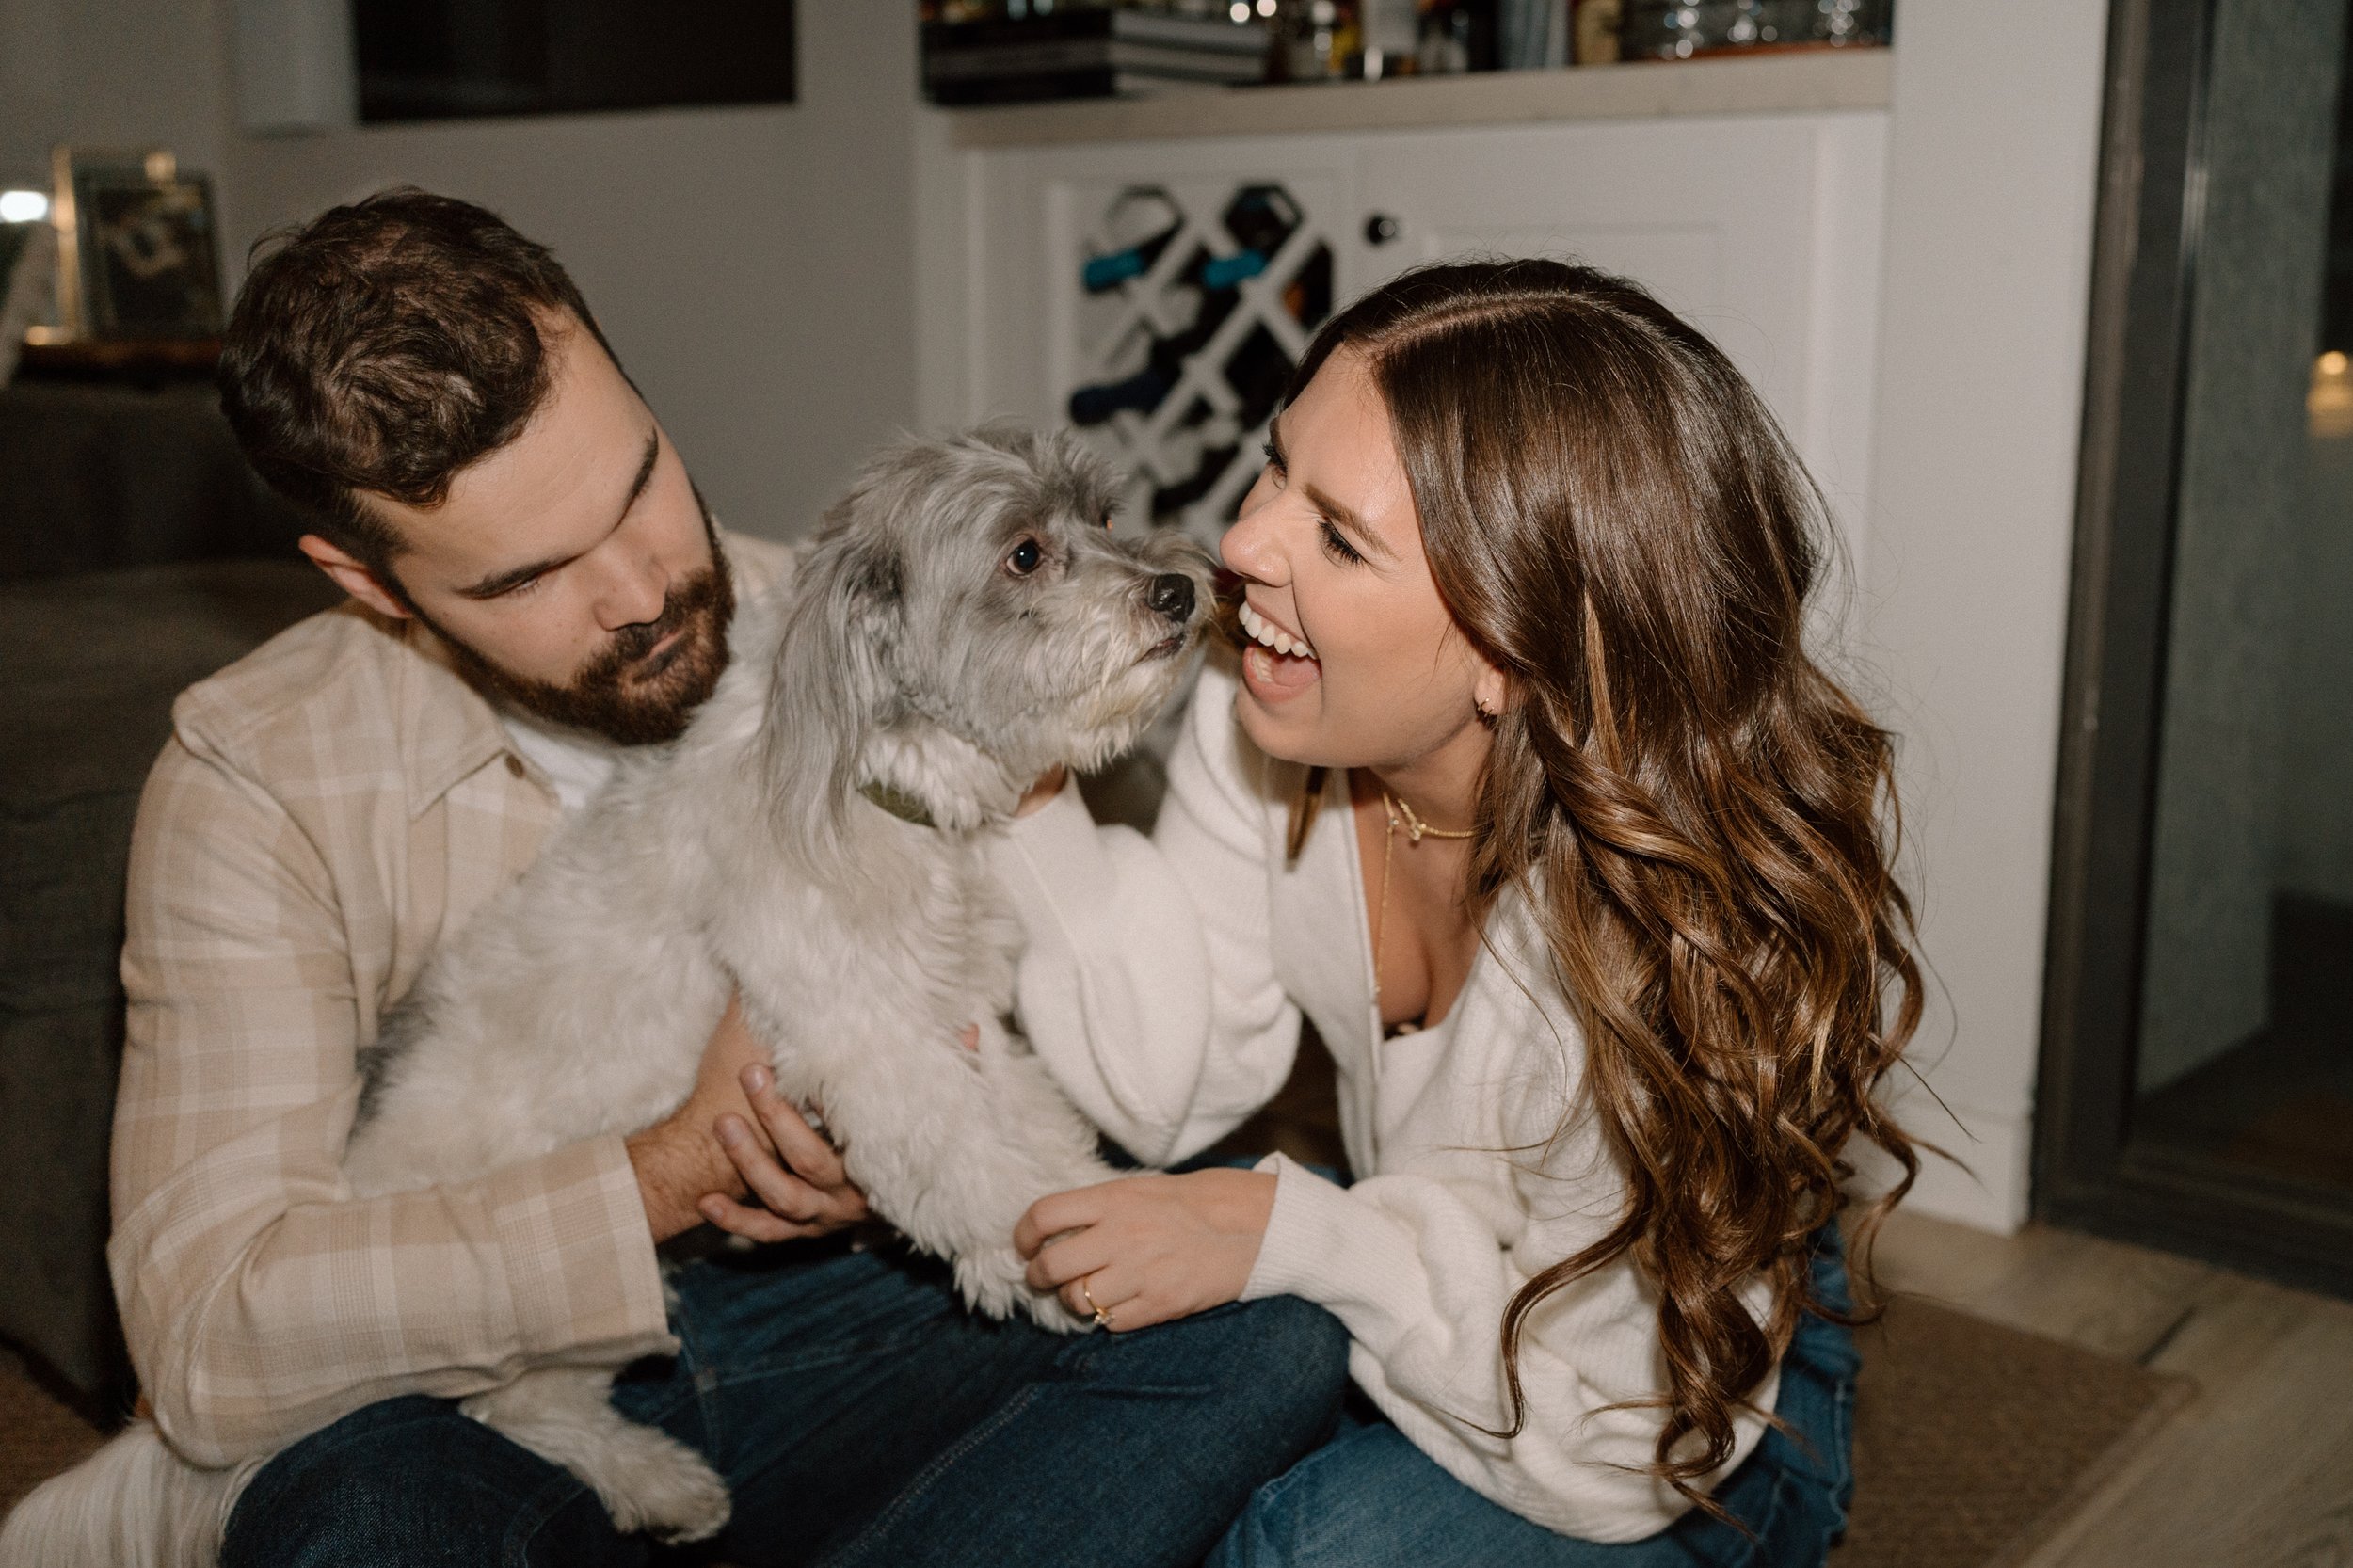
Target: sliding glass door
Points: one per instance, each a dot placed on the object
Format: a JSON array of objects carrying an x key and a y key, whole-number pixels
[{"x": 2197, "y": 1073}]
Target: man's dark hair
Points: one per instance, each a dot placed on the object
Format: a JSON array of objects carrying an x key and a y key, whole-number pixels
[{"x": 384, "y": 346}]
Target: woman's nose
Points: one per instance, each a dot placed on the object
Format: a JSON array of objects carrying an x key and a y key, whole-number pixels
[{"x": 1249, "y": 548}]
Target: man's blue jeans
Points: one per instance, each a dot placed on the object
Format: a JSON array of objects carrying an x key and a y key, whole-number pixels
[
  {"x": 1370, "y": 1500},
  {"x": 860, "y": 1415}
]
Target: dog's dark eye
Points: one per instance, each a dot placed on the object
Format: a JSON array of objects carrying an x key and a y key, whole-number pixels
[
  {"x": 1024, "y": 558},
  {"x": 1107, "y": 517}
]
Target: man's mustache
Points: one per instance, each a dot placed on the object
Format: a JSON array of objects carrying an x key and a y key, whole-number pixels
[{"x": 685, "y": 601}]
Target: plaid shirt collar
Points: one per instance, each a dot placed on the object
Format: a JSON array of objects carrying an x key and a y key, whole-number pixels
[{"x": 449, "y": 731}]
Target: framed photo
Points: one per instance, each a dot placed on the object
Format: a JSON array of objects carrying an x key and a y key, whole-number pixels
[{"x": 138, "y": 253}]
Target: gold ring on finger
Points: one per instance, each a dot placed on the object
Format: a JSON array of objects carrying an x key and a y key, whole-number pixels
[{"x": 1102, "y": 1318}]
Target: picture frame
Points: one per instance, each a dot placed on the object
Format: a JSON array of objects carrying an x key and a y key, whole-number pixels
[{"x": 138, "y": 251}]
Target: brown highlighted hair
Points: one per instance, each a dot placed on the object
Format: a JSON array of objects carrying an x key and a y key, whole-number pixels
[
  {"x": 1703, "y": 821},
  {"x": 384, "y": 346}
]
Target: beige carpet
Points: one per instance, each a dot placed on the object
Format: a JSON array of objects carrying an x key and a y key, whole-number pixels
[{"x": 1973, "y": 1442}]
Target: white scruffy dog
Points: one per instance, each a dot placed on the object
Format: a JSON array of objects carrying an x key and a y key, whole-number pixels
[{"x": 964, "y": 622}]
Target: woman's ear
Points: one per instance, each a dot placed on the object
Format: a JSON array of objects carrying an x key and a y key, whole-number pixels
[{"x": 1491, "y": 693}]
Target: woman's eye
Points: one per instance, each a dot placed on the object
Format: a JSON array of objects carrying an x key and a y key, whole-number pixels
[
  {"x": 1336, "y": 544},
  {"x": 1024, "y": 558}
]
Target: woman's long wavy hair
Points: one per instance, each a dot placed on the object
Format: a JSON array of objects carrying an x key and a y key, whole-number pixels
[{"x": 1702, "y": 820}]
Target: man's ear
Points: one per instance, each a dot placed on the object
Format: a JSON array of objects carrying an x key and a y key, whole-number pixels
[{"x": 353, "y": 576}]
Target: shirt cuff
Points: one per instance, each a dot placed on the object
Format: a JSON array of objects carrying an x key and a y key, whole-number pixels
[{"x": 579, "y": 1255}]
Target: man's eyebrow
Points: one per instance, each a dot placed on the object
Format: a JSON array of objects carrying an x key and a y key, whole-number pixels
[
  {"x": 644, "y": 470},
  {"x": 507, "y": 582}
]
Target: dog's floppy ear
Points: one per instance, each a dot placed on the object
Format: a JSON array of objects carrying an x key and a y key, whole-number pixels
[{"x": 833, "y": 685}]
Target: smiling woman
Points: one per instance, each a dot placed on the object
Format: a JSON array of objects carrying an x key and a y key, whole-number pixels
[{"x": 1528, "y": 793}]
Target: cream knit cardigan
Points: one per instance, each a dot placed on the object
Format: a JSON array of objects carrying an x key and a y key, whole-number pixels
[{"x": 1163, "y": 985}]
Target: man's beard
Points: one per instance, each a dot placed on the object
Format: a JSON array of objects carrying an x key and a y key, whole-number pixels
[{"x": 618, "y": 693}]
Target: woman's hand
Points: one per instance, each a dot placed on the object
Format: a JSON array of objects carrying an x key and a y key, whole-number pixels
[{"x": 1148, "y": 1248}]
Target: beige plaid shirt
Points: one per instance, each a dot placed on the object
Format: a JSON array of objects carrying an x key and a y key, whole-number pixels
[{"x": 326, "y": 809}]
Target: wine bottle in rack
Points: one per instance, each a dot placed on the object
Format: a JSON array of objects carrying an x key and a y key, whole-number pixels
[{"x": 1106, "y": 272}]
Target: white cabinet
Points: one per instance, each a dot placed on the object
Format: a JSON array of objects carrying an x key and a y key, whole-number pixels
[{"x": 1764, "y": 230}]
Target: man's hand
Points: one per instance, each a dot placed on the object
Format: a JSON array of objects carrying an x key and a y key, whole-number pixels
[
  {"x": 679, "y": 1158},
  {"x": 1148, "y": 1248},
  {"x": 721, "y": 1146},
  {"x": 805, "y": 1194}
]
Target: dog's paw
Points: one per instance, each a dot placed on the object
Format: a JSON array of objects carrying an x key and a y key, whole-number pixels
[
  {"x": 659, "y": 1486},
  {"x": 995, "y": 1282},
  {"x": 1047, "y": 1310}
]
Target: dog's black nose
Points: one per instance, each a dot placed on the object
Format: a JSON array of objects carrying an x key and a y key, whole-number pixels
[{"x": 1171, "y": 594}]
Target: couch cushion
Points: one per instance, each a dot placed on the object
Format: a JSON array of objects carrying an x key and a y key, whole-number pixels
[
  {"x": 101, "y": 478},
  {"x": 92, "y": 664}
]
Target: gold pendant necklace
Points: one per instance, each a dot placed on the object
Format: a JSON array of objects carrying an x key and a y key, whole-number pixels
[{"x": 1416, "y": 831}]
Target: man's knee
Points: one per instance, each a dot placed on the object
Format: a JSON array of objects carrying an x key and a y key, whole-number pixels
[{"x": 411, "y": 1481}]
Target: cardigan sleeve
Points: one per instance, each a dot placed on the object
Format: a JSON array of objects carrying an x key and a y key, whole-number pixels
[{"x": 1148, "y": 982}]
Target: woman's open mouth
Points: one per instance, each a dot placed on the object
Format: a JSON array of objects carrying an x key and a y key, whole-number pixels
[{"x": 1278, "y": 665}]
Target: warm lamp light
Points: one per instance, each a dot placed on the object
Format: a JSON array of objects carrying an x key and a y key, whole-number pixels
[{"x": 2329, "y": 401}]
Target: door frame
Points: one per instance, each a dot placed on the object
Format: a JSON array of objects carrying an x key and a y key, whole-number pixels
[{"x": 2089, "y": 1171}]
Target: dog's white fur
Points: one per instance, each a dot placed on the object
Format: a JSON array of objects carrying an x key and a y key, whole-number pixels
[{"x": 910, "y": 651}]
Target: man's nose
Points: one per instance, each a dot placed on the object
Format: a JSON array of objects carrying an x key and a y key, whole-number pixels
[{"x": 634, "y": 594}]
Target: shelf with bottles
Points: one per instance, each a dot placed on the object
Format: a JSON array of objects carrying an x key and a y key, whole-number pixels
[
  {"x": 1768, "y": 80},
  {"x": 1177, "y": 43}
]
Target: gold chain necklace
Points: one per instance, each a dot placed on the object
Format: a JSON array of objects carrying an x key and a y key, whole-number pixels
[{"x": 1416, "y": 831}]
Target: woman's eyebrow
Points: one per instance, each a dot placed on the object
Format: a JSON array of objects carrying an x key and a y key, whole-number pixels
[{"x": 1342, "y": 517}]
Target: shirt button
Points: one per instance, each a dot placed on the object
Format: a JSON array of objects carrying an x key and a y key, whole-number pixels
[{"x": 514, "y": 764}]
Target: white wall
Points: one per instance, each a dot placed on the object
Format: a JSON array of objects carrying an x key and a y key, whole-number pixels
[
  {"x": 1992, "y": 172},
  {"x": 753, "y": 267},
  {"x": 111, "y": 73}
]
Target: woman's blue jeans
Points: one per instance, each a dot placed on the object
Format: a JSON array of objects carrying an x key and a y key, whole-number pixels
[
  {"x": 1370, "y": 1500},
  {"x": 861, "y": 1416}
]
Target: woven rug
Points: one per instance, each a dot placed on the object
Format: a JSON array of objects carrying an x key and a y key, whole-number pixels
[{"x": 1973, "y": 1442}]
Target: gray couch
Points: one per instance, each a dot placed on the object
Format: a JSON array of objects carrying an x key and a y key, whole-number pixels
[{"x": 137, "y": 553}]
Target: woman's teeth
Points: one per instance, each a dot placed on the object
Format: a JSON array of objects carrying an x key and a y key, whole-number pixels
[{"x": 1264, "y": 630}]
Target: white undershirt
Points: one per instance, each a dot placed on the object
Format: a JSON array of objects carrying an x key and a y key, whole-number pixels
[{"x": 574, "y": 762}]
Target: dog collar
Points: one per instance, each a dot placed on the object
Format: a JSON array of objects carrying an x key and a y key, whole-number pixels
[{"x": 899, "y": 804}]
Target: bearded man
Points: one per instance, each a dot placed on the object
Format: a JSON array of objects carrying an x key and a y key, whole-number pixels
[{"x": 535, "y": 584}]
